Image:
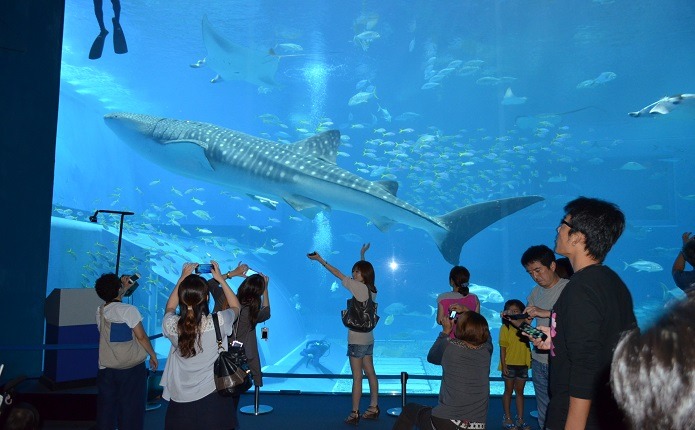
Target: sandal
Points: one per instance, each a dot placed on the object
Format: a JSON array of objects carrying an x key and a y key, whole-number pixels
[
  {"x": 521, "y": 425},
  {"x": 372, "y": 413},
  {"x": 508, "y": 423},
  {"x": 353, "y": 418}
]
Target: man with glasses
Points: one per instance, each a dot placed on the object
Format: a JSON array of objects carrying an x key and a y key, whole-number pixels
[
  {"x": 587, "y": 320},
  {"x": 539, "y": 262}
]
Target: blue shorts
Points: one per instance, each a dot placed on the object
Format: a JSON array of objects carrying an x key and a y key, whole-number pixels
[
  {"x": 516, "y": 372},
  {"x": 359, "y": 351}
]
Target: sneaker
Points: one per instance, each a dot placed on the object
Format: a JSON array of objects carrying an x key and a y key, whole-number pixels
[
  {"x": 521, "y": 425},
  {"x": 507, "y": 423}
]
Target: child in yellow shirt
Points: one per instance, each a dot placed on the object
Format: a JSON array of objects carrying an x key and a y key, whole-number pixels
[{"x": 515, "y": 360}]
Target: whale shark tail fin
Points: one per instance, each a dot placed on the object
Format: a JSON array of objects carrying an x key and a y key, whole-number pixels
[{"x": 464, "y": 223}]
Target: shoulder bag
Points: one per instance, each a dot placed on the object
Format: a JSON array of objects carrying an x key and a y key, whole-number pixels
[
  {"x": 232, "y": 373},
  {"x": 360, "y": 316},
  {"x": 118, "y": 354}
]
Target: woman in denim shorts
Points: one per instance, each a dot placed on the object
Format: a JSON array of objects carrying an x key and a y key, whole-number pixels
[{"x": 360, "y": 345}]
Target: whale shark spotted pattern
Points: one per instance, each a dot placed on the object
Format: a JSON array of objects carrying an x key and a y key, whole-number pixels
[{"x": 304, "y": 174}]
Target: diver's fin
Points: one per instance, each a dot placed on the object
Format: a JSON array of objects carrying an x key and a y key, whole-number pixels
[
  {"x": 98, "y": 45},
  {"x": 119, "y": 44}
]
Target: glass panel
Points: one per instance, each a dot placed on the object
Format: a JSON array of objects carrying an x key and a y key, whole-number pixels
[{"x": 460, "y": 103}]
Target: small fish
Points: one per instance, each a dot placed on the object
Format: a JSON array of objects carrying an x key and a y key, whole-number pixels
[
  {"x": 203, "y": 230},
  {"x": 644, "y": 266},
  {"x": 389, "y": 320},
  {"x": 362, "y": 97},
  {"x": 365, "y": 39},
  {"x": 202, "y": 214},
  {"x": 334, "y": 286}
]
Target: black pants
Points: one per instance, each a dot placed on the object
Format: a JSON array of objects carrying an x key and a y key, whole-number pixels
[
  {"x": 414, "y": 415},
  {"x": 211, "y": 412}
]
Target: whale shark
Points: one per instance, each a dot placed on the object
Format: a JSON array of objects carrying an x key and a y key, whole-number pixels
[
  {"x": 303, "y": 174},
  {"x": 666, "y": 105}
]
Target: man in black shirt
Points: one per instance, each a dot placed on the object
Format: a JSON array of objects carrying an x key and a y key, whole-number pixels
[{"x": 588, "y": 319}]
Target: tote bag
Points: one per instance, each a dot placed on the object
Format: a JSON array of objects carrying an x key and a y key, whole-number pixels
[
  {"x": 115, "y": 354},
  {"x": 360, "y": 316},
  {"x": 232, "y": 373}
]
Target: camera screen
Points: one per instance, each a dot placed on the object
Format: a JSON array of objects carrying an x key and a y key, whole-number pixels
[{"x": 203, "y": 268}]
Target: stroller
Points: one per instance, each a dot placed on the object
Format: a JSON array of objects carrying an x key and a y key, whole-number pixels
[{"x": 16, "y": 416}]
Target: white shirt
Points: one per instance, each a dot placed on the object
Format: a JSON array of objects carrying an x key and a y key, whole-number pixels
[{"x": 189, "y": 379}]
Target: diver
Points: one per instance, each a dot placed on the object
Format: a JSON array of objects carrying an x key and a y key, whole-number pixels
[
  {"x": 119, "y": 43},
  {"x": 314, "y": 350}
]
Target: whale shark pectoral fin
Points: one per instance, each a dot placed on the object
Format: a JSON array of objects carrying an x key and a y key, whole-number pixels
[
  {"x": 383, "y": 224},
  {"x": 188, "y": 154},
  {"x": 306, "y": 206}
]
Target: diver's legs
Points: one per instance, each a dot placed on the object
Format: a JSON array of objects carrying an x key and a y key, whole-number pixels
[
  {"x": 116, "y": 9},
  {"x": 99, "y": 12}
]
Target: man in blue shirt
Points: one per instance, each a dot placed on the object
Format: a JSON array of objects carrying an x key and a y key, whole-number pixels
[{"x": 685, "y": 280}]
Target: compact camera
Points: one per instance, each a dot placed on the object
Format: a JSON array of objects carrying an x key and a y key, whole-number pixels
[
  {"x": 133, "y": 285},
  {"x": 203, "y": 268},
  {"x": 517, "y": 316},
  {"x": 452, "y": 314}
]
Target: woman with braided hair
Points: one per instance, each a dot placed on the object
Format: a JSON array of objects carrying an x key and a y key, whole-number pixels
[{"x": 188, "y": 380}]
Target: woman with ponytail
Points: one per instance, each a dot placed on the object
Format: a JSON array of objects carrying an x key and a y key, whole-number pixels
[
  {"x": 460, "y": 299},
  {"x": 188, "y": 380}
]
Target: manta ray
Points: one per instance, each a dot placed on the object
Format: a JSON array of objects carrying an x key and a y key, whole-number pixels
[
  {"x": 303, "y": 174},
  {"x": 666, "y": 105},
  {"x": 235, "y": 62}
]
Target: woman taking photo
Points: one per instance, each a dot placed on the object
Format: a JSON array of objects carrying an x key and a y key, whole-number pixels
[
  {"x": 360, "y": 345},
  {"x": 255, "y": 308},
  {"x": 188, "y": 380},
  {"x": 465, "y": 391}
]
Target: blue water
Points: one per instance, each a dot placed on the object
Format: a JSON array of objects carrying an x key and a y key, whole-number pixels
[{"x": 575, "y": 69}]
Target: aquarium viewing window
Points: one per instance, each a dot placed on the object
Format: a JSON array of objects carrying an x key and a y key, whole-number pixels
[{"x": 440, "y": 133}]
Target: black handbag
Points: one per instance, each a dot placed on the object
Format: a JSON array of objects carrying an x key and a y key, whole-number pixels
[
  {"x": 232, "y": 373},
  {"x": 360, "y": 316}
]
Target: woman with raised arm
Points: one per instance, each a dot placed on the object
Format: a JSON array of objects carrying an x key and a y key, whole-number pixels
[
  {"x": 188, "y": 380},
  {"x": 360, "y": 345}
]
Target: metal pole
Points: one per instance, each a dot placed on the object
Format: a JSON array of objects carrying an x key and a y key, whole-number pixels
[
  {"x": 397, "y": 411},
  {"x": 256, "y": 409},
  {"x": 120, "y": 238}
]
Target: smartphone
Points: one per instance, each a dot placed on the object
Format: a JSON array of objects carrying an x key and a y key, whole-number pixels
[
  {"x": 312, "y": 253},
  {"x": 264, "y": 333},
  {"x": 532, "y": 331},
  {"x": 133, "y": 285},
  {"x": 517, "y": 316},
  {"x": 452, "y": 315},
  {"x": 251, "y": 272},
  {"x": 203, "y": 268}
]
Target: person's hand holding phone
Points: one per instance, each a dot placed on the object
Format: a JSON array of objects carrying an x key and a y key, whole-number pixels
[{"x": 447, "y": 325}]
